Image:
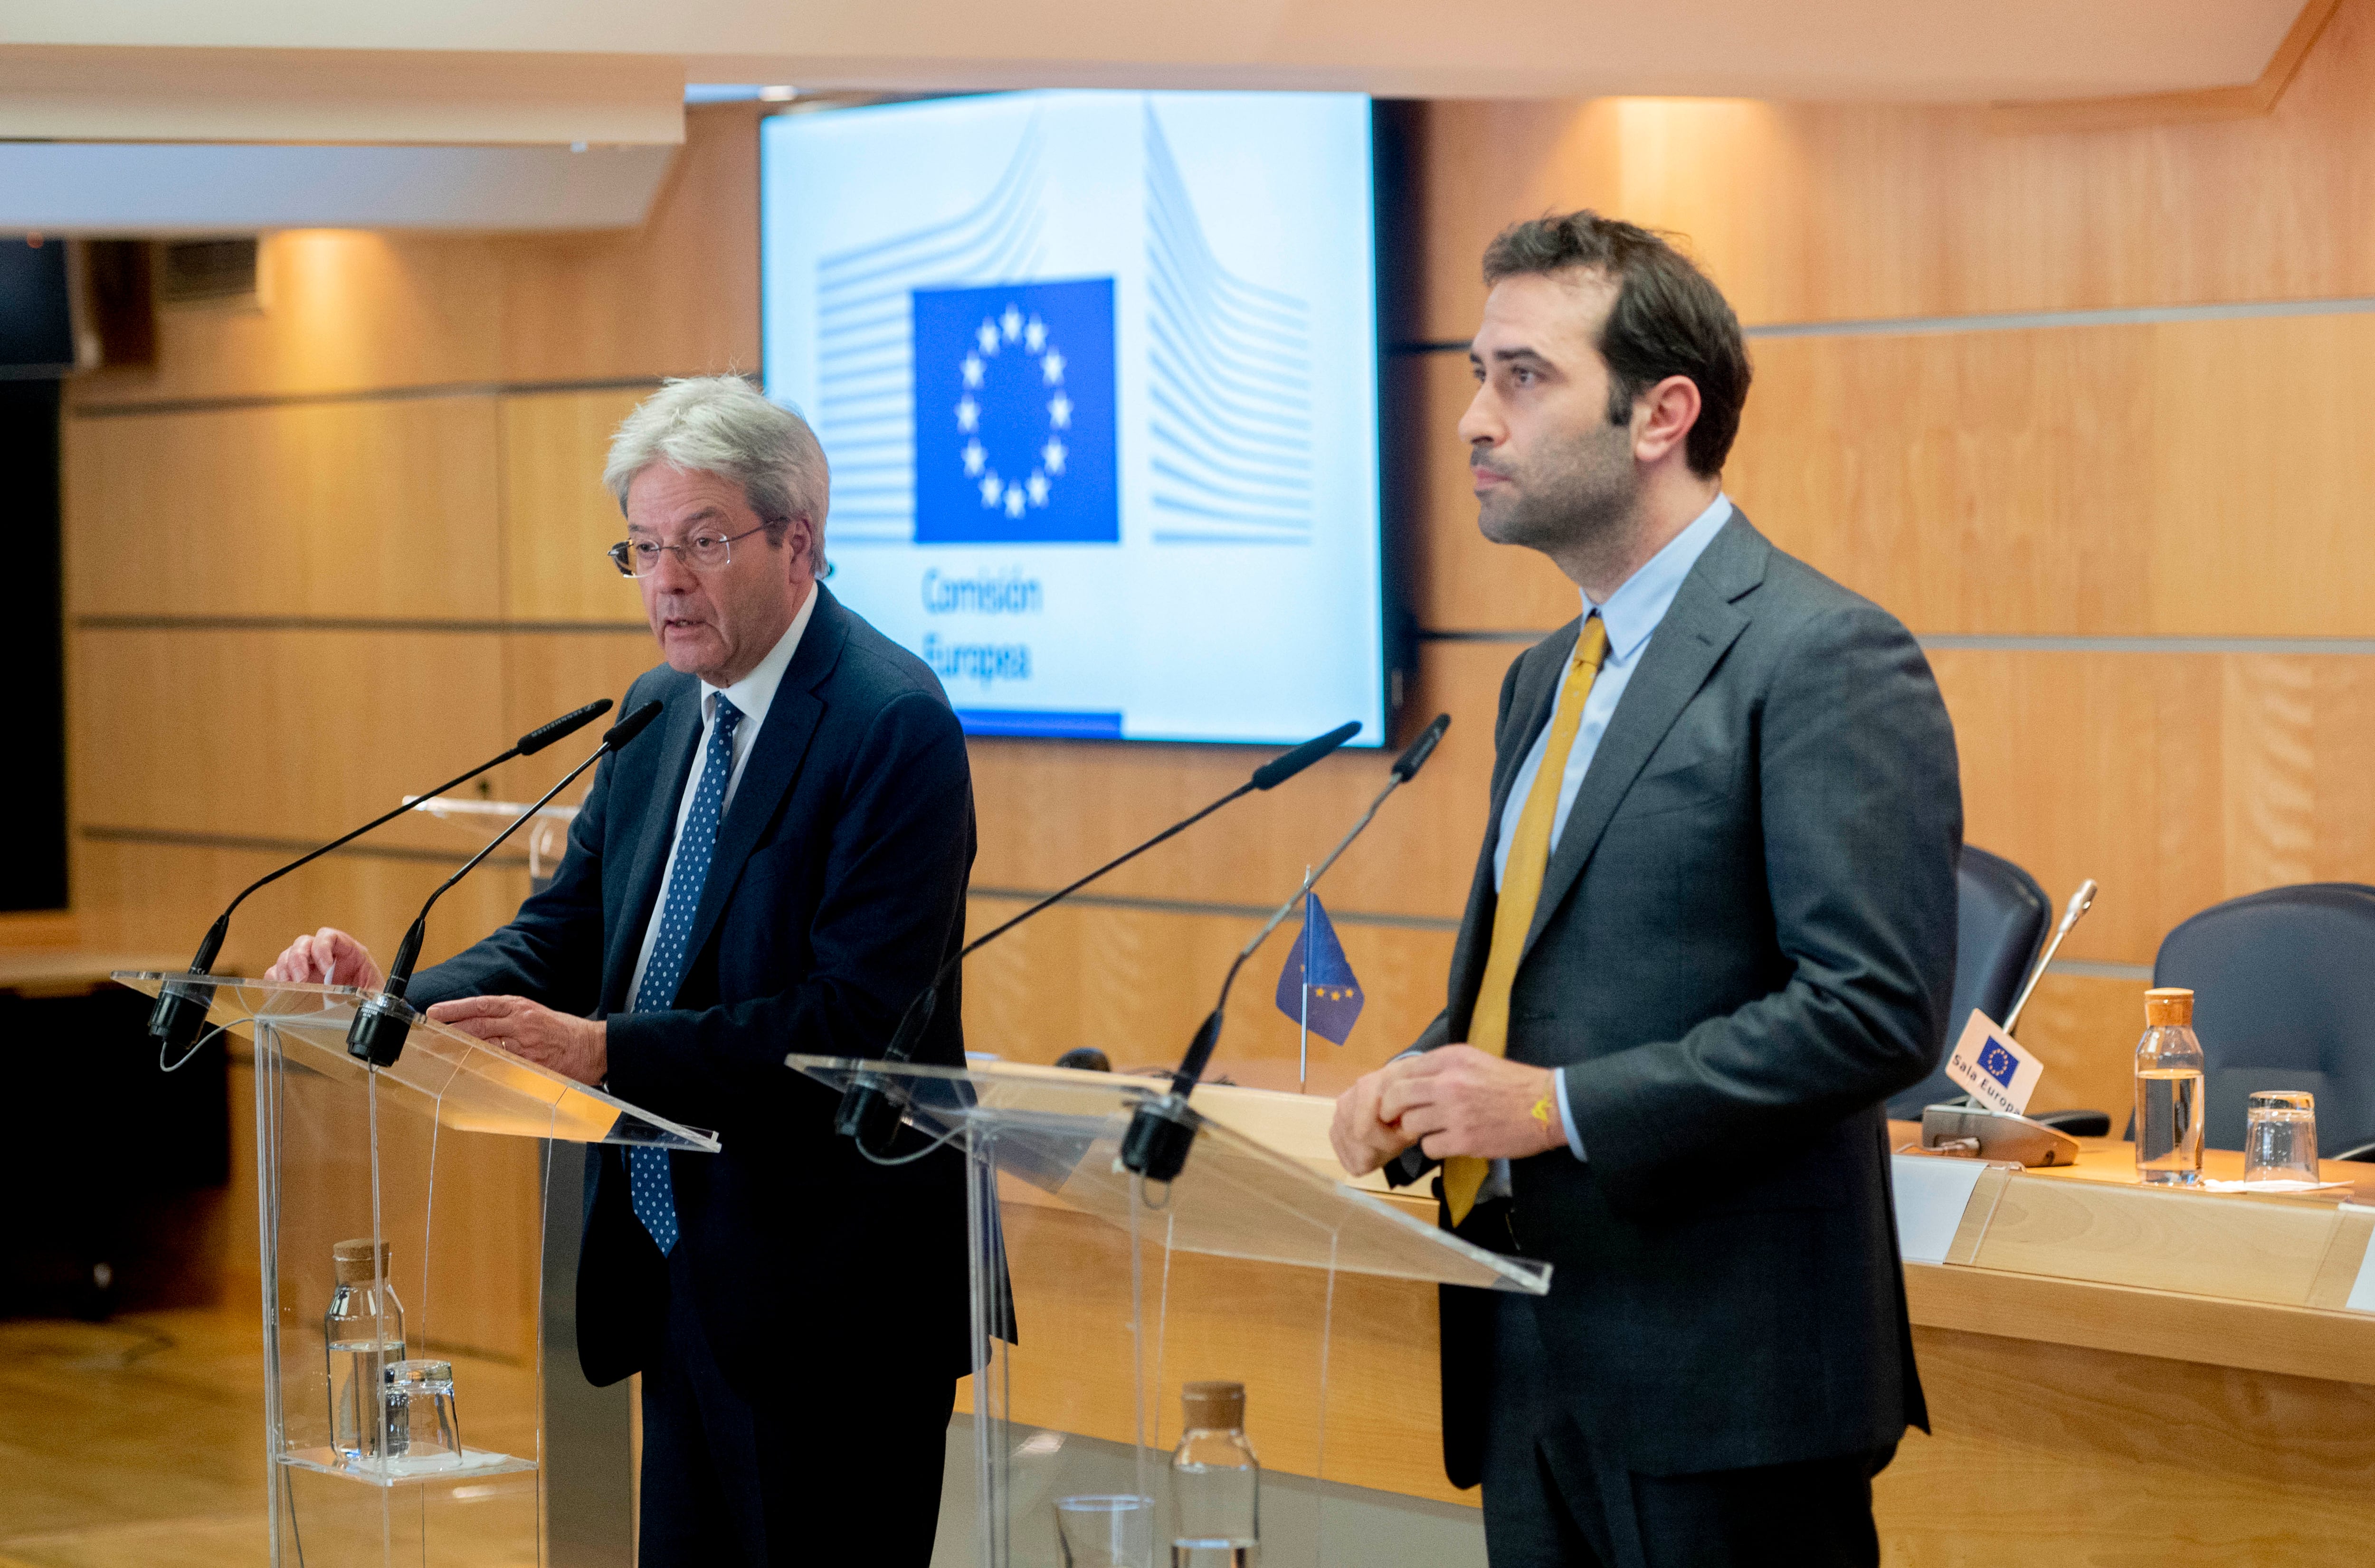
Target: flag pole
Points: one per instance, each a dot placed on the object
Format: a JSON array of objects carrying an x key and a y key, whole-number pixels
[{"x": 1303, "y": 1046}]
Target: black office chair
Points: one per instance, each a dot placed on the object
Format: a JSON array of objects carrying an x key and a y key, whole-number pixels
[
  {"x": 2003, "y": 919},
  {"x": 2284, "y": 997}
]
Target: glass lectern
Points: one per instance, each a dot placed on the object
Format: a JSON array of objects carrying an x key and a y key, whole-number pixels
[
  {"x": 1098, "y": 1297},
  {"x": 400, "y": 1222}
]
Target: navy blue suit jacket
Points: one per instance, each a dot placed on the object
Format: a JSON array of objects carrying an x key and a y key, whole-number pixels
[{"x": 837, "y": 888}]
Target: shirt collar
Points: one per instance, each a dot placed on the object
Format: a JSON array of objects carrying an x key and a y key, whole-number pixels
[
  {"x": 756, "y": 691},
  {"x": 1641, "y": 601}
]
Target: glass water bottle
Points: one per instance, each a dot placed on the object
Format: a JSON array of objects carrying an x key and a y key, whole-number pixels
[
  {"x": 363, "y": 1336},
  {"x": 2168, "y": 1091},
  {"x": 1215, "y": 1482}
]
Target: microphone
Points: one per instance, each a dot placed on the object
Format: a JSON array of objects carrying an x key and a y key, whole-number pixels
[
  {"x": 867, "y": 1113},
  {"x": 381, "y": 1026},
  {"x": 2080, "y": 903},
  {"x": 180, "y": 1011},
  {"x": 1160, "y": 1130}
]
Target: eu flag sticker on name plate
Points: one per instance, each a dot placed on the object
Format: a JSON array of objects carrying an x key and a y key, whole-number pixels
[
  {"x": 1014, "y": 414},
  {"x": 1992, "y": 1065}
]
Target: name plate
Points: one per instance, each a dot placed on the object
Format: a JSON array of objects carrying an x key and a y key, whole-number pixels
[
  {"x": 1932, "y": 1194},
  {"x": 2362, "y": 1288},
  {"x": 1991, "y": 1066}
]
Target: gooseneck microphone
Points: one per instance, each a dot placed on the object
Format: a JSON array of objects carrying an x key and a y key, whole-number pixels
[
  {"x": 378, "y": 1034},
  {"x": 2080, "y": 903},
  {"x": 1160, "y": 1131},
  {"x": 867, "y": 1113},
  {"x": 180, "y": 1011}
]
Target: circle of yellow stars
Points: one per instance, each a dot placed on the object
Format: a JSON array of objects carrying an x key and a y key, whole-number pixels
[{"x": 996, "y": 333}]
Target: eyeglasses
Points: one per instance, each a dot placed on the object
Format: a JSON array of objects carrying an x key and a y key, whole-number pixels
[{"x": 704, "y": 551}]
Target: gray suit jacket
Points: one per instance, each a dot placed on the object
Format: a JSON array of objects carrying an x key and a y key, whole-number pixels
[{"x": 1745, "y": 942}]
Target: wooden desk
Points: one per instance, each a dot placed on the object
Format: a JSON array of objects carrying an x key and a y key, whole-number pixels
[{"x": 2117, "y": 1373}]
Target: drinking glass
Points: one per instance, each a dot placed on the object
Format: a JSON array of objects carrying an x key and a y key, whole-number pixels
[
  {"x": 2280, "y": 1136},
  {"x": 423, "y": 1431},
  {"x": 1105, "y": 1531}
]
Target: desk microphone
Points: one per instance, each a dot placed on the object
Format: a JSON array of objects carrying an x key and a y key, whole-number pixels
[
  {"x": 180, "y": 1011},
  {"x": 867, "y": 1113},
  {"x": 378, "y": 1034},
  {"x": 1160, "y": 1132}
]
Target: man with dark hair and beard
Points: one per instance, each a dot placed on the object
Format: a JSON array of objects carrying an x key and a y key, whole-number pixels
[{"x": 1711, "y": 929}]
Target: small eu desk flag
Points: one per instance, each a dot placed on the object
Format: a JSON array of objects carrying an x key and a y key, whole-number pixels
[{"x": 1317, "y": 964}]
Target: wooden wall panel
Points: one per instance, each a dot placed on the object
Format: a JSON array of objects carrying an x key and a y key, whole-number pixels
[
  {"x": 2191, "y": 478},
  {"x": 160, "y": 898},
  {"x": 545, "y": 675},
  {"x": 1049, "y": 811},
  {"x": 2262, "y": 476},
  {"x": 678, "y": 296},
  {"x": 2175, "y": 779},
  {"x": 1985, "y": 481},
  {"x": 1850, "y": 212},
  {"x": 342, "y": 509},
  {"x": 343, "y": 310},
  {"x": 293, "y": 735},
  {"x": 558, "y": 518}
]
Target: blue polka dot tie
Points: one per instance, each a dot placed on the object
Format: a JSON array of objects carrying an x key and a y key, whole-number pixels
[{"x": 647, "y": 1169}]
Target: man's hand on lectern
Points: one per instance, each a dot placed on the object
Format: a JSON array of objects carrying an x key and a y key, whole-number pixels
[
  {"x": 574, "y": 1047},
  {"x": 1365, "y": 1141},
  {"x": 328, "y": 956},
  {"x": 1457, "y": 1100}
]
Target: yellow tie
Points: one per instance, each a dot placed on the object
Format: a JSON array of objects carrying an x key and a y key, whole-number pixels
[{"x": 1521, "y": 888}]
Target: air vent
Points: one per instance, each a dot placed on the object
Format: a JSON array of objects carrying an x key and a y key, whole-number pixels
[{"x": 205, "y": 272}]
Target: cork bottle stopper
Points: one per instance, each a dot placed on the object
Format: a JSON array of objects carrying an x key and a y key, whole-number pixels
[
  {"x": 358, "y": 1261},
  {"x": 1214, "y": 1406},
  {"x": 2168, "y": 1006}
]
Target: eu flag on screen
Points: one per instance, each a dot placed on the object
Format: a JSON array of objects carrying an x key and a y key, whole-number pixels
[
  {"x": 1014, "y": 414},
  {"x": 1998, "y": 1063},
  {"x": 1335, "y": 995}
]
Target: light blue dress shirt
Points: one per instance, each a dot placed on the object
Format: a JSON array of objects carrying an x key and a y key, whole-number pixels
[{"x": 1632, "y": 613}]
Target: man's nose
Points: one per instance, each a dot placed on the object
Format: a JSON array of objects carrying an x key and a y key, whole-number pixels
[
  {"x": 1480, "y": 425},
  {"x": 674, "y": 575}
]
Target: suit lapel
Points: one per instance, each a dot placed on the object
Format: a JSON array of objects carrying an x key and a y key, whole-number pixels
[
  {"x": 1699, "y": 627},
  {"x": 677, "y": 743},
  {"x": 783, "y": 737}
]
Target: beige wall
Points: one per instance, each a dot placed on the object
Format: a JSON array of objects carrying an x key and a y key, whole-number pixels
[{"x": 333, "y": 547}]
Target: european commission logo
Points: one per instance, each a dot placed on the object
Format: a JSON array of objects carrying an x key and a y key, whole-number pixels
[{"x": 1014, "y": 414}]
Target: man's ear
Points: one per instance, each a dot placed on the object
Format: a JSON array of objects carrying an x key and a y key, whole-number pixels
[{"x": 1663, "y": 417}]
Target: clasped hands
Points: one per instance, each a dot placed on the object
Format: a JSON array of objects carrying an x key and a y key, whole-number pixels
[
  {"x": 574, "y": 1047},
  {"x": 1452, "y": 1100}
]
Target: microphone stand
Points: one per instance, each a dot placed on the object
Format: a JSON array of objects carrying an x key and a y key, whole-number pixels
[
  {"x": 382, "y": 1024},
  {"x": 180, "y": 1011},
  {"x": 1161, "y": 1131}
]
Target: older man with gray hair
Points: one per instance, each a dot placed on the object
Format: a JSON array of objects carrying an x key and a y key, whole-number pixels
[{"x": 780, "y": 867}]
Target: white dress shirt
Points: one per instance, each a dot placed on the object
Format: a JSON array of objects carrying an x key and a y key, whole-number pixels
[
  {"x": 1631, "y": 612},
  {"x": 753, "y": 694}
]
